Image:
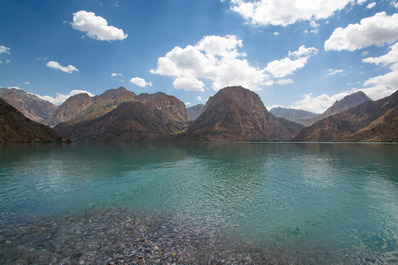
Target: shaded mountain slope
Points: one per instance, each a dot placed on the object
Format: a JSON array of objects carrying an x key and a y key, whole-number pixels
[
  {"x": 29, "y": 105},
  {"x": 372, "y": 120},
  {"x": 195, "y": 111},
  {"x": 131, "y": 121},
  {"x": 15, "y": 127}
]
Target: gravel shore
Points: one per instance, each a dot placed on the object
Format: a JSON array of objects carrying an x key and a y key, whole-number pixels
[{"x": 117, "y": 236}]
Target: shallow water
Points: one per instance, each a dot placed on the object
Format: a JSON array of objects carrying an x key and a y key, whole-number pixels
[{"x": 332, "y": 202}]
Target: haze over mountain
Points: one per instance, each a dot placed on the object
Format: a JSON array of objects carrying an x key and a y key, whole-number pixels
[
  {"x": 158, "y": 118},
  {"x": 29, "y": 105},
  {"x": 369, "y": 121},
  {"x": 238, "y": 114},
  {"x": 347, "y": 102},
  {"x": 15, "y": 127},
  {"x": 295, "y": 115},
  {"x": 195, "y": 111}
]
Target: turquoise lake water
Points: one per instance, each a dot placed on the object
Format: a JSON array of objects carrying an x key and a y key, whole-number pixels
[{"x": 339, "y": 199}]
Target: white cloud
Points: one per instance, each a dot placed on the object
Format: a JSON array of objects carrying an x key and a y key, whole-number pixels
[
  {"x": 334, "y": 72},
  {"x": 199, "y": 98},
  {"x": 317, "y": 104},
  {"x": 8, "y": 61},
  {"x": 376, "y": 92},
  {"x": 283, "y": 82},
  {"x": 220, "y": 60},
  {"x": 394, "y": 4},
  {"x": 27, "y": 83},
  {"x": 55, "y": 65},
  {"x": 96, "y": 27},
  {"x": 188, "y": 83},
  {"x": 365, "y": 53},
  {"x": 14, "y": 87},
  {"x": 140, "y": 82},
  {"x": 214, "y": 58},
  {"x": 286, "y": 66},
  {"x": 361, "y": 2},
  {"x": 188, "y": 103},
  {"x": 60, "y": 98},
  {"x": 4, "y": 49},
  {"x": 371, "y": 5},
  {"x": 116, "y": 74},
  {"x": 286, "y": 12},
  {"x": 276, "y": 33},
  {"x": 378, "y": 30},
  {"x": 390, "y": 58}
]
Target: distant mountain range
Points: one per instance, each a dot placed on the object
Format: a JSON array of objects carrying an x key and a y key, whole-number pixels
[
  {"x": 233, "y": 114},
  {"x": 195, "y": 111},
  {"x": 347, "y": 102},
  {"x": 369, "y": 121},
  {"x": 15, "y": 127},
  {"x": 295, "y": 115}
]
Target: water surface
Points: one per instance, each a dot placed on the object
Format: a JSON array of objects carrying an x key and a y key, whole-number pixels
[{"x": 335, "y": 201}]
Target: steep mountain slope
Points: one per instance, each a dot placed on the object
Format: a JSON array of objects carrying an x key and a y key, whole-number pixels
[
  {"x": 295, "y": 115},
  {"x": 82, "y": 107},
  {"x": 131, "y": 121},
  {"x": 166, "y": 103},
  {"x": 347, "y": 102},
  {"x": 238, "y": 114},
  {"x": 195, "y": 111},
  {"x": 29, "y": 105},
  {"x": 370, "y": 121},
  {"x": 15, "y": 127}
]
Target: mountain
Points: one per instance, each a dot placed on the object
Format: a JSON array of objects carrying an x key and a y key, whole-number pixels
[
  {"x": 295, "y": 115},
  {"x": 131, "y": 121},
  {"x": 82, "y": 107},
  {"x": 347, "y": 102},
  {"x": 195, "y": 111},
  {"x": 15, "y": 127},
  {"x": 174, "y": 107},
  {"x": 370, "y": 121},
  {"x": 29, "y": 105},
  {"x": 238, "y": 114},
  {"x": 152, "y": 117}
]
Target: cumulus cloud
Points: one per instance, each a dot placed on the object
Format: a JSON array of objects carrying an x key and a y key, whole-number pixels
[
  {"x": 317, "y": 104},
  {"x": 188, "y": 104},
  {"x": 27, "y": 83},
  {"x": 60, "y": 98},
  {"x": 189, "y": 83},
  {"x": 295, "y": 60},
  {"x": 361, "y": 2},
  {"x": 371, "y": 5},
  {"x": 4, "y": 49},
  {"x": 67, "y": 69},
  {"x": 220, "y": 60},
  {"x": 96, "y": 27},
  {"x": 140, "y": 82},
  {"x": 276, "y": 33},
  {"x": 334, "y": 72},
  {"x": 376, "y": 30},
  {"x": 286, "y": 12},
  {"x": 214, "y": 58},
  {"x": 116, "y": 74},
  {"x": 383, "y": 85}
]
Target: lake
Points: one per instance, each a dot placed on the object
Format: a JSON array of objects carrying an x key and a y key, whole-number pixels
[{"x": 337, "y": 202}]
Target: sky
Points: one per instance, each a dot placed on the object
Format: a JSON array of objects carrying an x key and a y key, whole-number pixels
[{"x": 303, "y": 54}]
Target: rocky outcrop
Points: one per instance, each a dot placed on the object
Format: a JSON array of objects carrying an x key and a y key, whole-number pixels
[
  {"x": 82, "y": 107},
  {"x": 16, "y": 128},
  {"x": 238, "y": 114},
  {"x": 29, "y": 105},
  {"x": 370, "y": 121}
]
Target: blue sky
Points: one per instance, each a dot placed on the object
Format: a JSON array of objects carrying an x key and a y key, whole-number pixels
[{"x": 304, "y": 54}]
